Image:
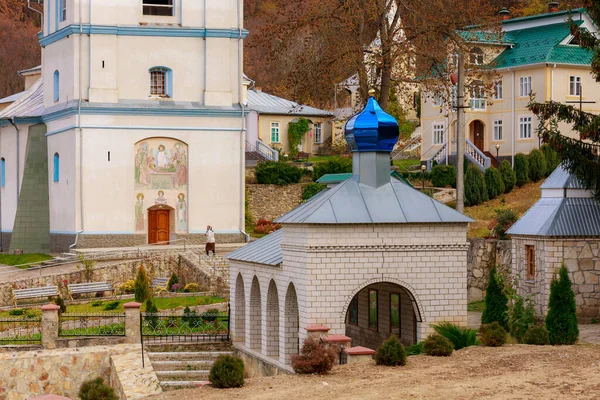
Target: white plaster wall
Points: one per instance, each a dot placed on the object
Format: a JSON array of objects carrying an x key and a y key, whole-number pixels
[
  {"x": 61, "y": 56},
  {"x": 63, "y": 194}
]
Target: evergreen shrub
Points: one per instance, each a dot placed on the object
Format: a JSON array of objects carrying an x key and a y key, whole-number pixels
[
  {"x": 521, "y": 317},
  {"x": 96, "y": 389},
  {"x": 561, "y": 320},
  {"x": 58, "y": 300},
  {"x": 437, "y": 345},
  {"x": 493, "y": 183},
  {"x": 314, "y": 358},
  {"x": 538, "y": 335},
  {"x": 227, "y": 372},
  {"x": 537, "y": 165},
  {"x": 150, "y": 311},
  {"x": 391, "y": 353},
  {"x": 493, "y": 335},
  {"x": 503, "y": 221},
  {"x": 459, "y": 336},
  {"x": 521, "y": 169},
  {"x": 415, "y": 349},
  {"x": 312, "y": 189},
  {"x": 509, "y": 177},
  {"x": 551, "y": 157},
  {"x": 277, "y": 173},
  {"x": 496, "y": 301},
  {"x": 475, "y": 189},
  {"x": 335, "y": 165},
  {"x": 142, "y": 290},
  {"x": 443, "y": 176}
]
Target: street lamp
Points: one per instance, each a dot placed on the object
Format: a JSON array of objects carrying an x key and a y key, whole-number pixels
[
  {"x": 540, "y": 139},
  {"x": 423, "y": 168},
  {"x": 497, "y": 150}
]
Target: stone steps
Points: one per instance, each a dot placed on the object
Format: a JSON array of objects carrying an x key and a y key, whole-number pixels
[
  {"x": 171, "y": 376},
  {"x": 174, "y": 385},
  {"x": 187, "y": 355},
  {"x": 182, "y": 365}
]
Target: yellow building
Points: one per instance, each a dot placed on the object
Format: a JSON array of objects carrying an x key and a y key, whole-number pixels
[{"x": 537, "y": 55}]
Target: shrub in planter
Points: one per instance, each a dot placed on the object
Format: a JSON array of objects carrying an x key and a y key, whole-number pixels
[
  {"x": 493, "y": 335},
  {"x": 128, "y": 287},
  {"x": 551, "y": 157},
  {"x": 391, "y": 353},
  {"x": 509, "y": 177},
  {"x": 475, "y": 189},
  {"x": 496, "y": 302},
  {"x": 415, "y": 349},
  {"x": 537, "y": 165},
  {"x": 437, "y": 345},
  {"x": 277, "y": 173},
  {"x": 493, "y": 183},
  {"x": 314, "y": 358},
  {"x": 538, "y": 335},
  {"x": 191, "y": 288},
  {"x": 521, "y": 169},
  {"x": 227, "y": 372},
  {"x": 459, "y": 336},
  {"x": 312, "y": 189},
  {"x": 335, "y": 165},
  {"x": 96, "y": 389},
  {"x": 561, "y": 320},
  {"x": 443, "y": 176},
  {"x": 142, "y": 290}
]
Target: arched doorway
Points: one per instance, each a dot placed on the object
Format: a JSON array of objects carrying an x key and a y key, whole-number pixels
[
  {"x": 272, "y": 321},
  {"x": 477, "y": 134},
  {"x": 255, "y": 328},
  {"x": 292, "y": 324},
  {"x": 380, "y": 309},
  {"x": 239, "y": 331},
  {"x": 160, "y": 224}
]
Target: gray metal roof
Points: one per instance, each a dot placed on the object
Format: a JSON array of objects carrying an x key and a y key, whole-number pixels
[
  {"x": 560, "y": 178},
  {"x": 567, "y": 217},
  {"x": 265, "y": 103},
  {"x": 351, "y": 202},
  {"x": 13, "y": 97},
  {"x": 31, "y": 104},
  {"x": 31, "y": 71},
  {"x": 263, "y": 251}
]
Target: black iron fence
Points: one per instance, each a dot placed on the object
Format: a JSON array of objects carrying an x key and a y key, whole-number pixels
[
  {"x": 20, "y": 331},
  {"x": 181, "y": 328},
  {"x": 96, "y": 324}
]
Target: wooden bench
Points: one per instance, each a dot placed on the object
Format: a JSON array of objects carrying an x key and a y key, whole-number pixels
[
  {"x": 302, "y": 156},
  {"x": 160, "y": 284},
  {"x": 89, "y": 287},
  {"x": 32, "y": 293}
]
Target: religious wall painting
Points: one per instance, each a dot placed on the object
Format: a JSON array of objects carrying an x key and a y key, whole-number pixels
[
  {"x": 181, "y": 212},
  {"x": 139, "y": 212}
]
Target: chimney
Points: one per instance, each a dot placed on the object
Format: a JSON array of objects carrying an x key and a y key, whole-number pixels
[
  {"x": 553, "y": 6},
  {"x": 258, "y": 89},
  {"x": 505, "y": 14},
  {"x": 371, "y": 135}
]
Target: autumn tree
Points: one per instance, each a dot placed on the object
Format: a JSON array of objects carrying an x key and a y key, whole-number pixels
[{"x": 580, "y": 155}]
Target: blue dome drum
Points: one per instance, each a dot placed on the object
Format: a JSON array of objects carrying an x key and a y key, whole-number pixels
[{"x": 372, "y": 130}]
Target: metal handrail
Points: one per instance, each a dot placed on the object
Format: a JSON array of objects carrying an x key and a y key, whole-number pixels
[
  {"x": 266, "y": 151},
  {"x": 476, "y": 156},
  {"x": 439, "y": 156},
  {"x": 412, "y": 142}
]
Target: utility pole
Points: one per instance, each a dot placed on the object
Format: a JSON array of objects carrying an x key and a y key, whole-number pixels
[{"x": 460, "y": 135}]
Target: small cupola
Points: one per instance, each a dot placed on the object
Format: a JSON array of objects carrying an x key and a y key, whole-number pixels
[
  {"x": 505, "y": 14},
  {"x": 553, "y": 6},
  {"x": 372, "y": 135}
]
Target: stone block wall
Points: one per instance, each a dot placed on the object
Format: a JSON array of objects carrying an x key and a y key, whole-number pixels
[
  {"x": 482, "y": 256},
  {"x": 271, "y": 201}
]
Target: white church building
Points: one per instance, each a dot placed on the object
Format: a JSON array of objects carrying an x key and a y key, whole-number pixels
[{"x": 134, "y": 132}]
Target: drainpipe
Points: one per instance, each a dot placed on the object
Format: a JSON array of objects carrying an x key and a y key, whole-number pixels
[
  {"x": 552, "y": 83},
  {"x": 512, "y": 152},
  {"x": 205, "y": 57},
  {"x": 243, "y": 122},
  {"x": 12, "y": 122},
  {"x": 79, "y": 117}
]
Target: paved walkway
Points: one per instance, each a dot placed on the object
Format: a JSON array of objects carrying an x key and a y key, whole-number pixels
[{"x": 222, "y": 249}]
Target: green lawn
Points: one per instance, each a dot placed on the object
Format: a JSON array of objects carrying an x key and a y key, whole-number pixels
[
  {"x": 403, "y": 165},
  {"x": 476, "y": 306},
  {"x": 11, "y": 259},
  {"x": 316, "y": 159}
]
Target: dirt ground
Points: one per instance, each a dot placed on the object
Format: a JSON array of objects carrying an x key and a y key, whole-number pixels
[{"x": 509, "y": 372}]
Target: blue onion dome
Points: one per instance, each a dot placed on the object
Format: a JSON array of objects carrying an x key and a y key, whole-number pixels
[{"x": 372, "y": 129}]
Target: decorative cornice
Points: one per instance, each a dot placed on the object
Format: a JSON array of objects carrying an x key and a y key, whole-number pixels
[
  {"x": 69, "y": 30},
  {"x": 383, "y": 247}
]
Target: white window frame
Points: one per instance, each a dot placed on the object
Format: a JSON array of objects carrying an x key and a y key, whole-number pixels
[
  {"x": 63, "y": 10},
  {"x": 159, "y": 6},
  {"x": 438, "y": 101},
  {"x": 525, "y": 86},
  {"x": 498, "y": 131},
  {"x": 438, "y": 132},
  {"x": 478, "y": 98},
  {"x": 498, "y": 90},
  {"x": 477, "y": 56},
  {"x": 318, "y": 132},
  {"x": 275, "y": 125},
  {"x": 575, "y": 85},
  {"x": 525, "y": 127}
]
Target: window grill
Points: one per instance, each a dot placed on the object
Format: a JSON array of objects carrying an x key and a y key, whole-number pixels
[
  {"x": 158, "y": 82},
  {"x": 158, "y": 7}
]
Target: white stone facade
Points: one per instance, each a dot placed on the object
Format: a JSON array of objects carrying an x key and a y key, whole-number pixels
[{"x": 325, "y": 266}]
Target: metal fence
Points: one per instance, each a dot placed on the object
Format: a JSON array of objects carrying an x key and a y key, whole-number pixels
[
  {"x": 182, "y": 328},
  {"x": 96, "y": 324},
  {"x": 20, "y": 331}
]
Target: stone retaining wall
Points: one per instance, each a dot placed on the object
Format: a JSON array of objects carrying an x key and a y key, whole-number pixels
[
  {"x": 484, "y": 254},
  {"x": 271, "y": 201}
]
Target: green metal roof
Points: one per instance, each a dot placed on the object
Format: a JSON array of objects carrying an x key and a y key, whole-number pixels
[
  {"x": 337, "y": 178},
  {"x": 545, "y": 15},
  {"x": 541, "y": 44}
]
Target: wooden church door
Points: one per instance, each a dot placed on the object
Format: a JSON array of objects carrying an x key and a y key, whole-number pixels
[{"x": 158, "y": 226}]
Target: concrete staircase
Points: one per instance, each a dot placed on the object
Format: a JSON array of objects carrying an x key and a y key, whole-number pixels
[{"x": 180, "y": 366}]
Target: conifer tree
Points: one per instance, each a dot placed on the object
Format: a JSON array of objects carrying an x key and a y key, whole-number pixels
[
  {"x": 561, "y": 320},
  {"x": 142, "y": 290},
  {"x": 496, "y": 301}
]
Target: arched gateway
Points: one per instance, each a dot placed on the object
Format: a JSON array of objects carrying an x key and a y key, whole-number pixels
[{"x": 367, "y": 258}]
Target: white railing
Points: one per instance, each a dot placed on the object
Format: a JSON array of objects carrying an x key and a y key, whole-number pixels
[
  {"x": 439, "y": 156},
  {"x": 267, "y": 152},
  {"x": 476, "y": 156},
  {"x": 406, "y": 149}
]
